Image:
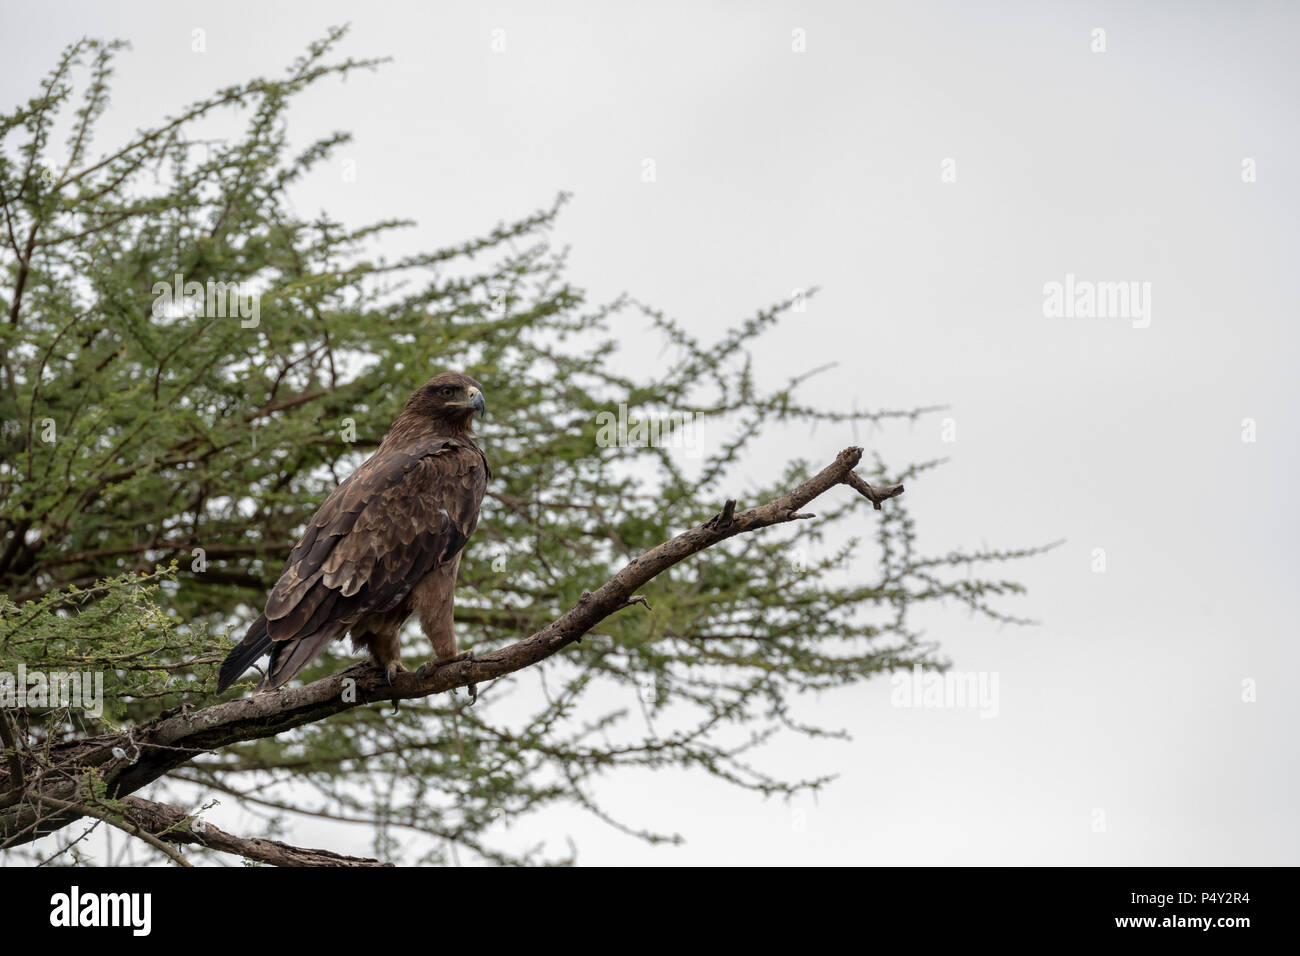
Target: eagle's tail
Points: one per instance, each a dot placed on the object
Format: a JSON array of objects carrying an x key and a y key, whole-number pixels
[
  {"x": 288, "y": 658},
  {"x": 255, "y": 643}
]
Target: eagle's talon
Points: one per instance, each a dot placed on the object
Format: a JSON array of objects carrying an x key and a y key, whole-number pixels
[
  {"x": 471, "y": 689},
  {"x": 391, "y": 670}
]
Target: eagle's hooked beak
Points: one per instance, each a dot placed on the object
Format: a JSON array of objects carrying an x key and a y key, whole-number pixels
[{"x": 476, "y": 402}]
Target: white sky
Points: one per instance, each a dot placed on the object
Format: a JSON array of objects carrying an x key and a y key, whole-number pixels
[{"x": 778, "y": 170}]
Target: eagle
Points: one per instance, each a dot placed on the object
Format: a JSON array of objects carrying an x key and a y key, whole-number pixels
[{"x": 385, "y": 545}]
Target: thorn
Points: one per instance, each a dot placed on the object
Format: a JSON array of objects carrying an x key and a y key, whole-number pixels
[
  {"x": 636, "y": 599},
  {"x": 724, "y": 518}
]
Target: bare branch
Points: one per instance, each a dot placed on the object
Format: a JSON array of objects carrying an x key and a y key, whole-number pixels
[
  {"x": 176, "y": 826},
  {"x": 131, "y": 760},
  {"x": 119, "y": 821},
  {"x": 871, "y": 492}
]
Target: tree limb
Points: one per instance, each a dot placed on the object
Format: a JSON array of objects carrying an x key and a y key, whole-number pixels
[
  {"x": 121, "y": 822},
  {"x": 130, "y": 760},
  {"x": 176, "y": 826}
]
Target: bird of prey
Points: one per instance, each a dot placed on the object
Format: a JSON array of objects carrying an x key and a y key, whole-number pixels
[{"x": 385, "y": 545}]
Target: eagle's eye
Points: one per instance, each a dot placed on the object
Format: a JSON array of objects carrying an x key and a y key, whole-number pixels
[{"x": 446, "y": 391}]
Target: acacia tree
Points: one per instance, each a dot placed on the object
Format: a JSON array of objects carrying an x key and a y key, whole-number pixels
[{"x": 156, "y": 464}]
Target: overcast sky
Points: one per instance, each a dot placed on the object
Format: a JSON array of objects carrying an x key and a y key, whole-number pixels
[{"x": 934, "y": 168}]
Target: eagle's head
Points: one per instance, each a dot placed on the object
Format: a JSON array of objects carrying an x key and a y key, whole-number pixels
[{"x": 449, "y": 398}]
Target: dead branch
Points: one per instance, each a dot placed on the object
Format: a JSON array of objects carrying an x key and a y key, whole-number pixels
[{"x": 176, "y": 826}]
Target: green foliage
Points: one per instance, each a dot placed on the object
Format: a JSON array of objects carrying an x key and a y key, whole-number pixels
[
  {"x": 135, "y": 438},
  {"x": 119, "y": 629}
]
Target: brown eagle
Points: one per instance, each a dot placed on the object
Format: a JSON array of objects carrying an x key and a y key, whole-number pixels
[{"x": 385, "y": 545}]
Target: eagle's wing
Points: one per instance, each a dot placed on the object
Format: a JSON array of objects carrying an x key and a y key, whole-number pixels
[{"x": 401, "y": 514}]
